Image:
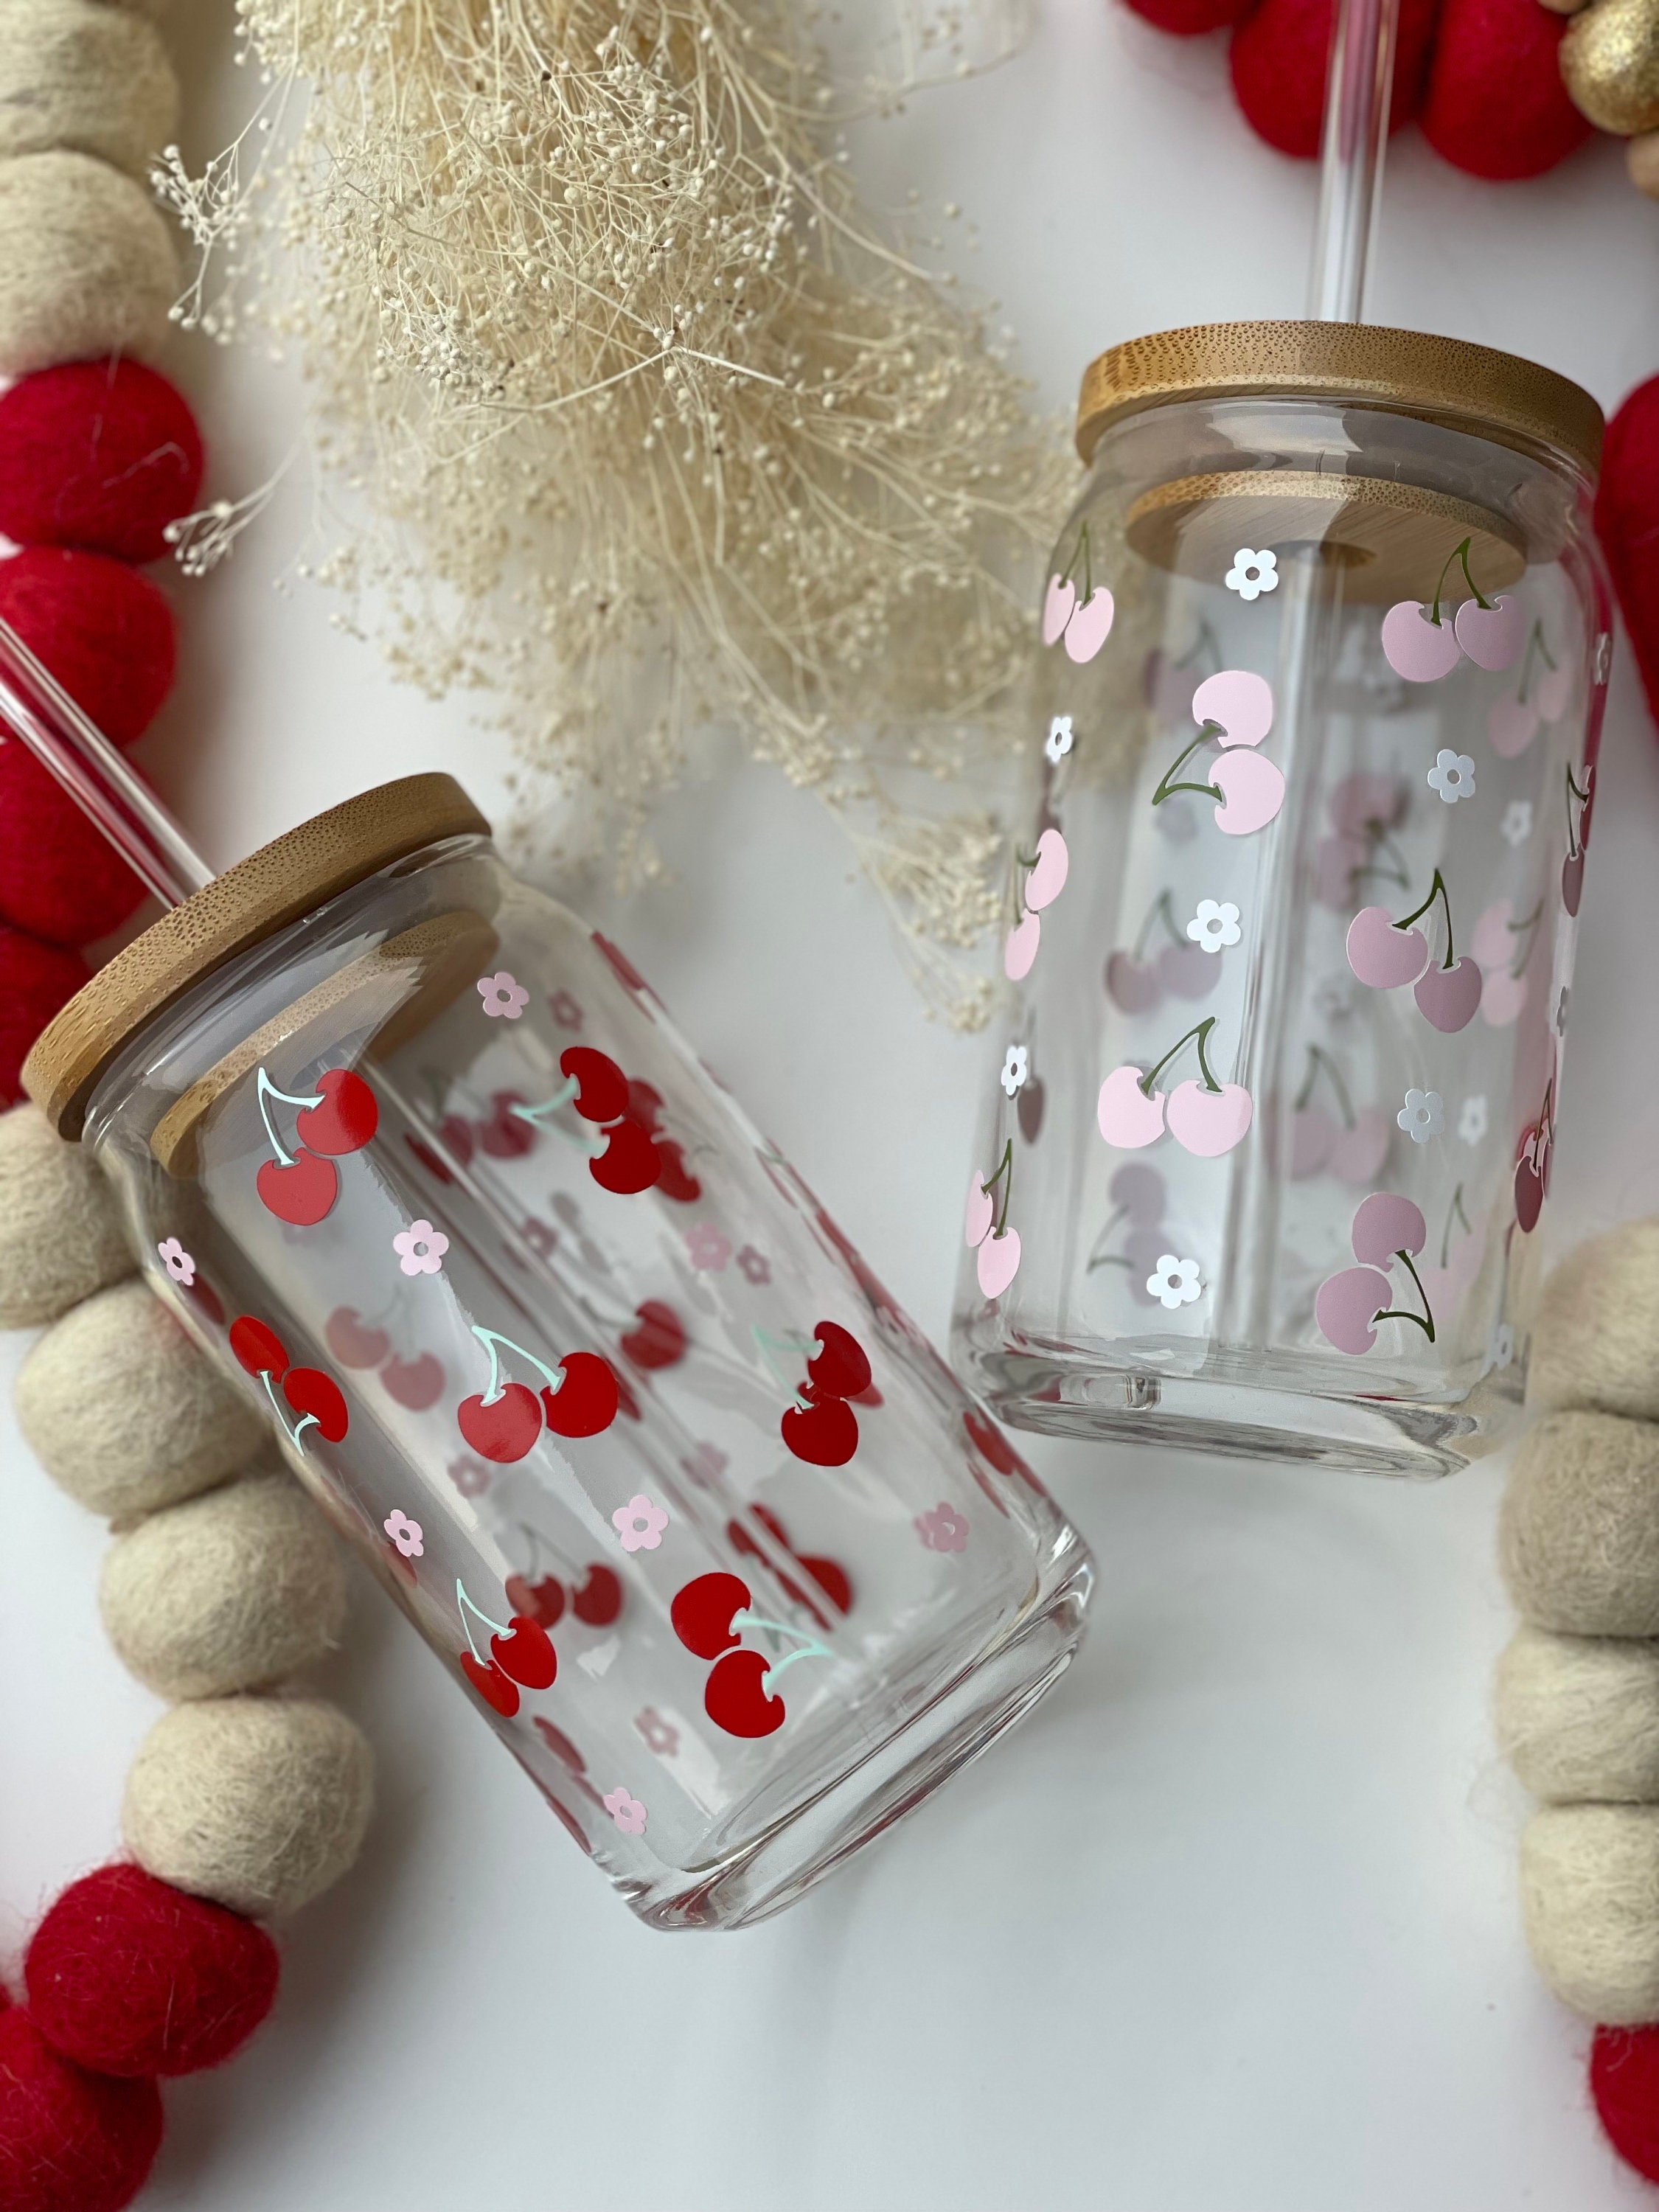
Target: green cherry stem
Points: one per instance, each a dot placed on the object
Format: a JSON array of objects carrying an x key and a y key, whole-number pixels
[
  {"x": 1436, "y": 890},
  {"x": 1080, "y": 552},
  {"x": 1320, "y": 1062},
  {"x": 1460, "y": 553},
  {"x": 1454, "y": 1213},
  {"x": 1534, "y": 644},
  {"x": 1193, "y": 1037},
  {"x": 465, "y": 1605},
  {"x": 266, "y": 1088},
  {"x": 1424, "y": 1320},
  {"x": 1004, "y": 1176},
  {"x": 1166, "y": 788},
  {"x": 1206, "y": 637},
  {"x": 1526, "y": 931},
  {"x": 489, "y": 1340},
  {"x": 1574, "y": 848},
  {"x": 1162, "y": 907}
]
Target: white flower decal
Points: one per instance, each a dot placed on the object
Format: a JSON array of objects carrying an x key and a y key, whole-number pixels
[
  {"x": 177, "y": 1261},
  {"x": 1472, "y": 1120},
  {"x": 504, "y": 997},
  {"x": 1059, "y": 741},
  {"x": 1516, "y": 825},
  {"x": 420, "y": 1249},
  {"x": 1015, "y": 1066},
  {"x": 1503, "y": 1344},
  {"x": 1422, "y": 1115},
  {"x": 1252, "y": 574},
  {"x": 1174, "y": 1282},
  {"x": 1452, "y": 775},
  {"x": 1214, "y": 925}
]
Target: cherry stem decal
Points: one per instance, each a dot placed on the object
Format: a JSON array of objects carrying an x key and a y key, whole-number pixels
[
  {"x": 266, "y": 1089},
  {"x": 1534, "y": 645},
  {"x": 1004, "y": 1176},
  {"x": 1193, "y": 1036},
  {"x": 590, "y": 1140},
  {"x": 1460, "y": 554},
  {"x": 1167, "y": 789},
  {"x": 1321, "y": 1063},
  {"x": 299, "y": 1429},
  {"x": 1436, "y": 890},
  {"x": 465, "y": 1606},
  {"x": 806, "y": 1647},
  {"x": 1424, "y": 1320},
  {"x": 771, "y": 1348},
  {"x": 1162, "y": 910},
  {"x": 1080, "y": 552},
  {"x": 1574, "y": 848},
  {"x": 495, "y": 1387},
  {"x": 1525, "y": 931},
  {"x": 1454, "y": 1213}
]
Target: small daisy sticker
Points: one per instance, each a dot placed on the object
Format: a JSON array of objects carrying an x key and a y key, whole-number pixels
[
  {"x": 1252, "y": 574},
  {"x": 754, "y": 1267},
  {"x": 626, "y": 1811},
  {"x": 420, "y": 1249},
  {"x": 504, "y": 997},
  {"x": 177, "y": 1261},
  {"x": 943, "y": 1528},
  {"x": 709, "y": 1248},
  {"x": 1471, "y": 1119},
  {"x": 1517, "y": 824},
  {"x": 1452, "y": 776},
  {"x": 1214, "y": 925},
  {"x": 1059, "y": 741},
  {"x": 1174, "y": 1282},
  {"x": 1422, "y": 1115},
  {"x": 639, "y": 1524},
  {"x": 1015, "y": 1066}
]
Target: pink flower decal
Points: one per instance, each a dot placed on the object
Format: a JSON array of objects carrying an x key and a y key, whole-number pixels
[
  {"x": 1207, "y": 1118},
  {"x": 408, "y": 1536},
  {"x": 1083, "y": 618},
  {"x": 709, "y": 1247},
  {"x": 420, "y": 1249},
  {"x": 504, "y": 997},
  {"x": 640, "y": 1523},
  {"x": 999, "y": 1245},
  {"x": 1386, "y": 1228},
  {"x": 1234, "y": 709},
  {"x": 177, "y": 1261},
  {"x": 660, "y": 1735},
  {"x": 565, "y": 1011},
  {"x": 626, "y": 1811},
  {"x": 470, "y": 1476},
  {"x": 942, "y": 1529},
  {"x": 1385, "y": 953},
  {"x": 754, "y": 1267}
]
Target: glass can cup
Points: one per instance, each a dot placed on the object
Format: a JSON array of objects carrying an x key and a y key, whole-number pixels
[
  {"x": 1291, "y": 927},
  {"x": 690, "y": 1510}
]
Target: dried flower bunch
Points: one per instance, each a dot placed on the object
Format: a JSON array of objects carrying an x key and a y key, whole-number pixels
[{"x": 658, "y": 433}]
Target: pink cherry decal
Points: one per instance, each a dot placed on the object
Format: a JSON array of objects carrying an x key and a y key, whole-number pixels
[
  {"x": 1383, "y": 955},
  {"x": 1491, "y": 636},
  {"x": 1058, "y": 602},
  {"x": 1420, "y": 650},
  {"x": 1337, "y": 863},
  {"x": 1313, "y": 1133},
  {"x": 1384, "y": 1224},
  {"x": 1252, "y": 792},
  {"x": 1347, "y": 1304},
  {"x": 1020, "y": 947},
  {"x": 982, "y": 1212},
  {"x": 1511, "y": 726},
  {"x": 1090, "y": 626},
  {"x": 1127, "y": 1117},
  {"x": 1189, "y": 970},
  {"x": 1141, "y": 1191},
  {"x": 1239, "y": 701},
  {"x": 998, "y": 1262},
  {"x": 1045, "y": 883},
  {"x": 1358, "y": 1155},
  {"x": 1554, "y": 690},
  {"x": 1131, "y": 985},
  {"x": 1209, "y": 1122},
  {"x": 1501, "y": 997},
  {"x": 1493, "y": 942},
  {"x": 1366, "y": 801},
  {"x": 1448, "y": 997}
]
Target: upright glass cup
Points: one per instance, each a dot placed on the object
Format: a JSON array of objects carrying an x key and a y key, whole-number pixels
[
  {"x": 1292, "y": 928},
  {"x": 709, "y": 1533}
]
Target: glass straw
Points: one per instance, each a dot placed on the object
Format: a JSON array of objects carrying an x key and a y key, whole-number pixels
[{"x": 1358, "y": 92}]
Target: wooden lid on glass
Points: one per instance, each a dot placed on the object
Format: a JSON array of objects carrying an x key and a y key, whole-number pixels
[
  {"x": 284, "y": 880},
  {"x": 1473, "y": 388}
]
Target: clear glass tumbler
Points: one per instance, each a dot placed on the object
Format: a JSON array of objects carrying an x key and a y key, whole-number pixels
[
  {"x": 690, "y": 1510},
  {"x": 1291, "y": 931}
]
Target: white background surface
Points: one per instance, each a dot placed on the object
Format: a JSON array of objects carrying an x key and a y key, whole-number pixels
[{"x": 1229, "y": 1925}]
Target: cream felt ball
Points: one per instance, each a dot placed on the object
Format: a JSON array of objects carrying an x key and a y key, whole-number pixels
[
  {"x": 60, "y": 1234},
  {"x": 1578, "y": 1531},
  {"x": 231, "y": 1591},
  {"x": 87, "y": 265},
  {"x": 260, "y": 1803},
  {"x": 1595, "y": 1341},
  {"x": 125, "y": 1413},
  {"x": 1578, "y": 1716},
  {"x": 1590, "y": 1897},
  {"x": 92, "y": 79}
]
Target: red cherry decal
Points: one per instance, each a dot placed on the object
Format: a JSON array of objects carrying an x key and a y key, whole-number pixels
[
  {"x": 416, "y": 1384},
  {"x": 734, "y": 1700},
  {"x": 258, "y": 1348},
  {"x": 353, "y": 1343},
  {"x": 504, "y": 1429},
  {"x": 560, "y": 1746},
  {"x": 347, "y": 1119},
  {"x": 299, "y": 1194},
  {"x": 840, "y": 1368},
  {"x": 201, "y": 1295},
  {"x": 1528, "y": 1195},
  {"x": 988, "y": 1440},
  {"x": 625, "y": 971},
  {"x": 701, "y": 1614},
  {"x": 644, "y": 1105},
  {"x": 308, "y": 1390},
  {"x": 658, "y": 1340},
  {"x": 599, "y": 1599},
  {"x": 823, "y": 1435},
  {"x": 629, "y": 1162},
  {"x": 429, "y": 1160},
  {"x": 495, "y": 1688},
  {"x": 831, "y": 1578},
  {"x": 601, "y": 1086},
  {"x": 525, "y": 1653},
  {"x": 586, "y": 1400},
  {"x": 542, "y": 1601},
  {"x": 507, "y": 1135},
  {"x": 674, "y": 1181}
]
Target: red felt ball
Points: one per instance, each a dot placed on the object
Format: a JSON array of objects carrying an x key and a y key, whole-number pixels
[
  {"x": 1496, "y": 105},
  {"x": 69, "y": 2142},
  {"x": 60, "y": 878},
  {"x": 1187, "y": 18},
  {"x": 1623, "y": 2080},
  {"x": 35, "y": 981},
  {"x": 101, "y": 454},
  {"x": 127, "y": 1975},
  {"x": 1280, "y": 55},
  {"x": 105, "y": 632},
  {"x": 1627, "y": 523}
]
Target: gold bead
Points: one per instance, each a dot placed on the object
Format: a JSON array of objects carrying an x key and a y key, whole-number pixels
[{"x": 1610, "y": 65}]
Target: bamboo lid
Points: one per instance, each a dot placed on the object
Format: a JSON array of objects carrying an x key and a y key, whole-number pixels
[
  {"x": 1497, "y": 395},
  {"x": 261, "y": 895}
]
